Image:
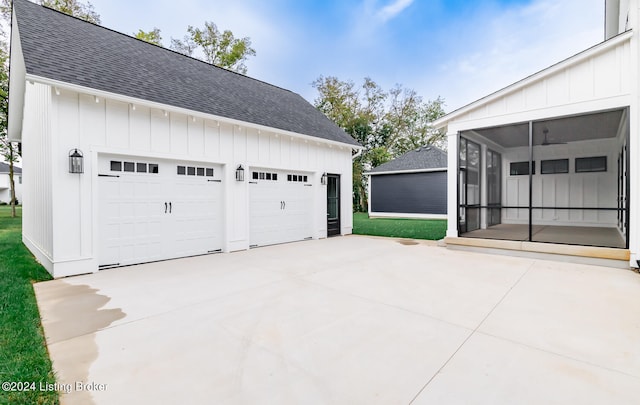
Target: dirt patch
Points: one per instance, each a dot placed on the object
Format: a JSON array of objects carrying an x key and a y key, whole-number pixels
[{"x": 407, "y": 242}]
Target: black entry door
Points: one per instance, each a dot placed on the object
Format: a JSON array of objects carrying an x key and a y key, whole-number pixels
[{"x": 333, "y": 204}]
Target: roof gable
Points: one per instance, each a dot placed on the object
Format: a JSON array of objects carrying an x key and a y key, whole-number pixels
[
  {"x": 63, "y": 48},
  {"x": 601, "y": 72},
  {"x": 422, "y": 158}
]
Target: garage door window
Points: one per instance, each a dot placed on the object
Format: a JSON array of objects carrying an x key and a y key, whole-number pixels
[
  {"x": 296, "y": 177},
  {"x": 195, "y": 171},
  {"x": 133, "y": 167},
  {"x": 264, "y": 176}
]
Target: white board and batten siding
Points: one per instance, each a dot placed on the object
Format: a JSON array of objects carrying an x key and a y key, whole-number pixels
[
  {"x": 594, "y": 80},
  {"x": 571, "y": 189},
  {"x": 105, "y": 129}
]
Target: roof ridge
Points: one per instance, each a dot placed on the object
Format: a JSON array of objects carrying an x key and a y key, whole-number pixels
[{"x": 158, "y": 46}]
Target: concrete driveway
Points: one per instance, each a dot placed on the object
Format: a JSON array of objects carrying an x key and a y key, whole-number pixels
[{"x": 348, "y": 320}]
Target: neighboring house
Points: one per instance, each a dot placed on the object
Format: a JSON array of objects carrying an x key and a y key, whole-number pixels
[
  {"x": 554, "y": 159},
  {"x": 413, "y": 185},
  {"x": 180, "y": 157},
  {"x": 5, "y": 184}
]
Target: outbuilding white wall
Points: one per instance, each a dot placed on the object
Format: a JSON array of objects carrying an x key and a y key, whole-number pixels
[
  {"x": 5, "y": 187},
  {"x": 65, "y": 204}
]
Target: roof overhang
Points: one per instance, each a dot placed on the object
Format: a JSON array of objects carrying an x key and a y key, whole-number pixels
[
  {"x": 59, "y": 85},
  {"x": 519, "y": 86},
  {"x": 17, "y": 72}
]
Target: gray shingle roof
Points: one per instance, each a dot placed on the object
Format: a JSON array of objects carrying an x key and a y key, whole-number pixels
[
  {"x": 60, "y": 47},
  {"x": 4, "y": 168},
  {"x": 425, "y": 157}
]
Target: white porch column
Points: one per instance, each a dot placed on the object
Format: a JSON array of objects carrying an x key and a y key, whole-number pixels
[
  {"x": 452, "y": 184},
  {"x": 634, "y": 140}
]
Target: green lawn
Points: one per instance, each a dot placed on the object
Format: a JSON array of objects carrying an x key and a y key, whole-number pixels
[
  {"x": 432, "y": 229},
  {"x": 23, "y": 354}
]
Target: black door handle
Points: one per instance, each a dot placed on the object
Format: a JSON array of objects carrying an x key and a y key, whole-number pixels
[
  {"x": 169, "y": 208},
  {"x": 165, "y": 207},
  {"x": 284, "y": 204}
]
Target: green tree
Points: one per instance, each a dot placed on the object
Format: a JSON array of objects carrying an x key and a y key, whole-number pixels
[
  {"x": 8, "y": 149},
  {"x": 219, "y": 48},
  {"x": 386, "y": 123},
  {"x": 75, "y": 8},
  {"x": 153, "y": 36}
]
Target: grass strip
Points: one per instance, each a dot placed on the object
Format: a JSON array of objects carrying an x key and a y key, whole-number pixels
[
  {"x": 23, "y": 353},
  {"x": 430, "y": 229}
]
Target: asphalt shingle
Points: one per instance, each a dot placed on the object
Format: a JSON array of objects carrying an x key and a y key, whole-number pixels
[
  {"x": 60, "y": 47},
  {"x": 424, "y": 157}
]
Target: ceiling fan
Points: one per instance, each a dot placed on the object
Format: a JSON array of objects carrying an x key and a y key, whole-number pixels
[{"x": 546, "y": 142}]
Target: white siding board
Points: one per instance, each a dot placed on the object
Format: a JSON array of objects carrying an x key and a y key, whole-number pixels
[
  {"x": 535, "y": 95},
  {"x": 92, "y": 119},
  {"x": 37, "y": 171},
  {"x": 253, "y": 147},
  {"x": 196, "y": 138},
  {"x": 117, "y": 123},
  {"x": 179, "y": 140},
  {"x": 160, "y": 132},
  {"x": 264, "y": 149},
  {"x": 140, "y": 121},
  {"x": 212, "y": 140},
  {"x": 581, "y": 82},
  {"x": 67, "y": 242},
  {"x": 275, "y": 150},
  {"x": 558, "y": 89}
]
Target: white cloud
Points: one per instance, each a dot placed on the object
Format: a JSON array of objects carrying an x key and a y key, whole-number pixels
[
  {"x": 393, "y": 9},
  {"x": 502, "y": 46}
]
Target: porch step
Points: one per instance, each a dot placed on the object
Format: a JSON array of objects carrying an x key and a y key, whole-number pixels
[{"x": 600, "y": 256}]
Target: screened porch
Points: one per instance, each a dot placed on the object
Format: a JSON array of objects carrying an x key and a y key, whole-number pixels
[{"x": 561, "y": 180}]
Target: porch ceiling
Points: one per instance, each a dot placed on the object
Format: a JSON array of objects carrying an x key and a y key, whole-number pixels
[{"x": 566, "y": 129}]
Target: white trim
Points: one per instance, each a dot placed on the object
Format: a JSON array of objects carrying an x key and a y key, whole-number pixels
[
  {"x": 42, "y": 257},
  {"x": 577, "y": 58},
  {"x": 153, "y": 155},
  {"x": 404, "y": 215},
  {"x": 171, "y": 108},
  {"x": 439, "y": 169}
]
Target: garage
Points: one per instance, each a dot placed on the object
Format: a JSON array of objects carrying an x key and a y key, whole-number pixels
[
  {"x": 162, "y": 169},
  {"x": 280, "y": 206},
  {"x": 157, "y": 210}
]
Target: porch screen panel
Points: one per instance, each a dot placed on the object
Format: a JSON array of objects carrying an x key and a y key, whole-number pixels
[
  {"x": 494, "y": 188},
  {"x": 469, "y": 185}
]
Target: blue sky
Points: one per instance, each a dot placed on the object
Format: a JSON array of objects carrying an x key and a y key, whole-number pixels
[{"x": 460, "y": 50}]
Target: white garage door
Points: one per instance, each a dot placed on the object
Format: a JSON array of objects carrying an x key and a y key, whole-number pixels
[
  {"x": 280, "y": 206},
  {"x": 158, "y": 210}
]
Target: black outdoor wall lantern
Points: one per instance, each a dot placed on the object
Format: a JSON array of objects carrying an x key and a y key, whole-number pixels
[
  {"x": 323, "y": 179},
  {"x": 240, "y": 173},
  {"x": 76, "y": 161}
]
